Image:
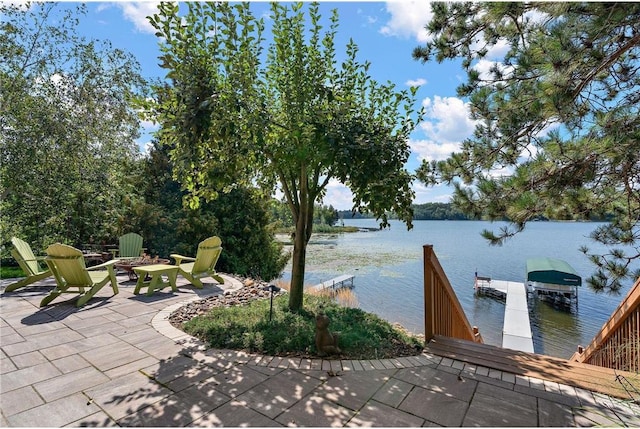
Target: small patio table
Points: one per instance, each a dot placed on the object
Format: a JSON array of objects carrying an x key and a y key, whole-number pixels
[
  {"x": 128, "y": 264},
  {"x": 155, "y": 273}
]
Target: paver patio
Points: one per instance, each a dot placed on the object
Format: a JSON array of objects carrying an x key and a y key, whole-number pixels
[{"x": 118, "y": 362}]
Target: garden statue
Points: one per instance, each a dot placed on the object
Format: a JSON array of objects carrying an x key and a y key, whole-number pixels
[{"x": 326, "y": 342}]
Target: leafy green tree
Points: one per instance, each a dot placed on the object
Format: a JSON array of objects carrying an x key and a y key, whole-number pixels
[
  {"x": 325, "y": 215},
  {"x": 68, "y": 128},
  {"x": 561, "y": 111},
  {"x": 247, "y": 231},
  {"x": 236, "y": 115},
  {"x": 322, "y": 215},
  {"x": 280, "y": 213}
]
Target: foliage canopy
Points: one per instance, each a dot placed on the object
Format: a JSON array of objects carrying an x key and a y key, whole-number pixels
[
  {"x": 68, "y": 127},
  {"x": 558, "y": 126},
  {"x": 236, "y": 114}
]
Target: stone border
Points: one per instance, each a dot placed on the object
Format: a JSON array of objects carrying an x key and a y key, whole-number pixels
[{"x": 161, "y": 320}]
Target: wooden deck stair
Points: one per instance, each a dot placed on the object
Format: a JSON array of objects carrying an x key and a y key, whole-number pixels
[{"x": 590, "y": 377}]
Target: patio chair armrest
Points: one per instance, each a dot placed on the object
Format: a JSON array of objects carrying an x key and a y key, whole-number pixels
[
  {"x": 109, "y": 264},
  {"x": 37, "y": 259},
  {"x": 180, "y": 258}
]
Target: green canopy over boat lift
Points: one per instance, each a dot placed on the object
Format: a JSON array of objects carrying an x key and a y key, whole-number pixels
[
  {"x": 553, "y": 279},
  {"x": 553, "y": 271}
]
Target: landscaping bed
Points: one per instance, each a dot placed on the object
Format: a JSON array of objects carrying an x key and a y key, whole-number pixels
[{"x": 239, "y": 320}]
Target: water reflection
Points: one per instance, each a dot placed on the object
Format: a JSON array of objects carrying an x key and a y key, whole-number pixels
[
  {"x": 553, "y": 328},
  {"x": 491, "y": 311}
]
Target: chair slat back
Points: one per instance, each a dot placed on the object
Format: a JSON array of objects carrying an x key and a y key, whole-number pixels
[
  {"x": 207, "y": 256},
  {"x": 24, "y": 255},
  {"x": 130, "y": 245},
  {"x": 67, "y": 265}
]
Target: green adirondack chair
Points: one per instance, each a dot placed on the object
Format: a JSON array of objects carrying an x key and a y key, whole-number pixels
[
  {"x": 130, "y": 246},
  {"x": 72, "y": 276},
  {"x": 203, "y": 265},
  {"x": 29, "y": 263}
]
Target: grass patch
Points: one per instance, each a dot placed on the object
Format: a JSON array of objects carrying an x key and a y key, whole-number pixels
[
  {"x": 362, "y": 335},
  {"x": 11, "y": 272}
]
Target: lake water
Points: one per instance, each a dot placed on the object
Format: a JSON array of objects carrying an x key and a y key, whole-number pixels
[{"x": 388, "y": 269}]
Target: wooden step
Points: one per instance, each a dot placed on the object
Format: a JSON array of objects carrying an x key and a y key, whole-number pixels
[{"x": 590, "y": 377}]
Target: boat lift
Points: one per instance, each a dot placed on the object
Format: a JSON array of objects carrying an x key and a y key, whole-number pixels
[{"x": 550, "y": 279}]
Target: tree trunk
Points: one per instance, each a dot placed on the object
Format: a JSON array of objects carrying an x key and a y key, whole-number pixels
[
  {"x": 304, "y": 227},
  {"x": 297, "y": 268}
]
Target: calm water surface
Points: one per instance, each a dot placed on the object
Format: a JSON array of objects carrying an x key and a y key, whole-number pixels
[{"x": 388, "y": 273}]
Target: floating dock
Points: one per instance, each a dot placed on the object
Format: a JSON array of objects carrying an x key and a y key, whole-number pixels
[
  {"x": 335, "y": 283},
  {"x": 516, "y": 330}
]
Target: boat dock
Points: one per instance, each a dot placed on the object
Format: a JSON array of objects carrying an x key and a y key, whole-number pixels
[
  {"x": 345, "y": 280},
  {"x": 516, "y": 330}
]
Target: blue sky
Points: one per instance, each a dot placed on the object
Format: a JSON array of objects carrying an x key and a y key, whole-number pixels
[{"x": 386, "y": 33}]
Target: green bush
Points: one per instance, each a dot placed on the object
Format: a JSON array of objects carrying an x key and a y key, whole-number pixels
[{"x": 10, "y": 272}]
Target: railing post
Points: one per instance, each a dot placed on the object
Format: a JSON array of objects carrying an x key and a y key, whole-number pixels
[{"x": 428, "y": 293}]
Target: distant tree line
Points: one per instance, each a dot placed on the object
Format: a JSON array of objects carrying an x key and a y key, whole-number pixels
[
  {"x": 427, "y": 211},
  {"x": 448, "y": 211}
]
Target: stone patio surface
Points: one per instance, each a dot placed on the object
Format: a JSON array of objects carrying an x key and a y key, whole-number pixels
[{"x": 118, "y": 362}]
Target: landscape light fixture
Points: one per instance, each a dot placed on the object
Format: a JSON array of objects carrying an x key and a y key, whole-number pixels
[{"x": 272, "y": 288}]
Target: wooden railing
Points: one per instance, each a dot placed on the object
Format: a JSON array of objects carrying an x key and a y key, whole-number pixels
[
  {"x": 617, "y": 345},
  {"x": 443, "y": 314}
]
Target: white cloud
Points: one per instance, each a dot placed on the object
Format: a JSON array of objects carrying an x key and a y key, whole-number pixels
[
  {"x": 18, "y": 4},
  {"x": 495, "y": 52},
  {"x": 137, "y": 13},
  {"x": 431, "y": 194},
  {"x": 103, "y": 6},
  {"x": 338, "y": 195},
  {"x": 447, "y": 119},
  {"x": 500, "y": 172},
  {"x": 446, "y": 125},
  {"x": 341, "y": 198},
  {"x": 432, "y": 151},
  {"x": 484, "y": 67},
  {"x": 416, "y": 82},
  {"x": 408, "y": 19},
  {"x": 144, "y": 146},
  {"x": 499, "y": 50},
  {"x": 535, "y": 16}
]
